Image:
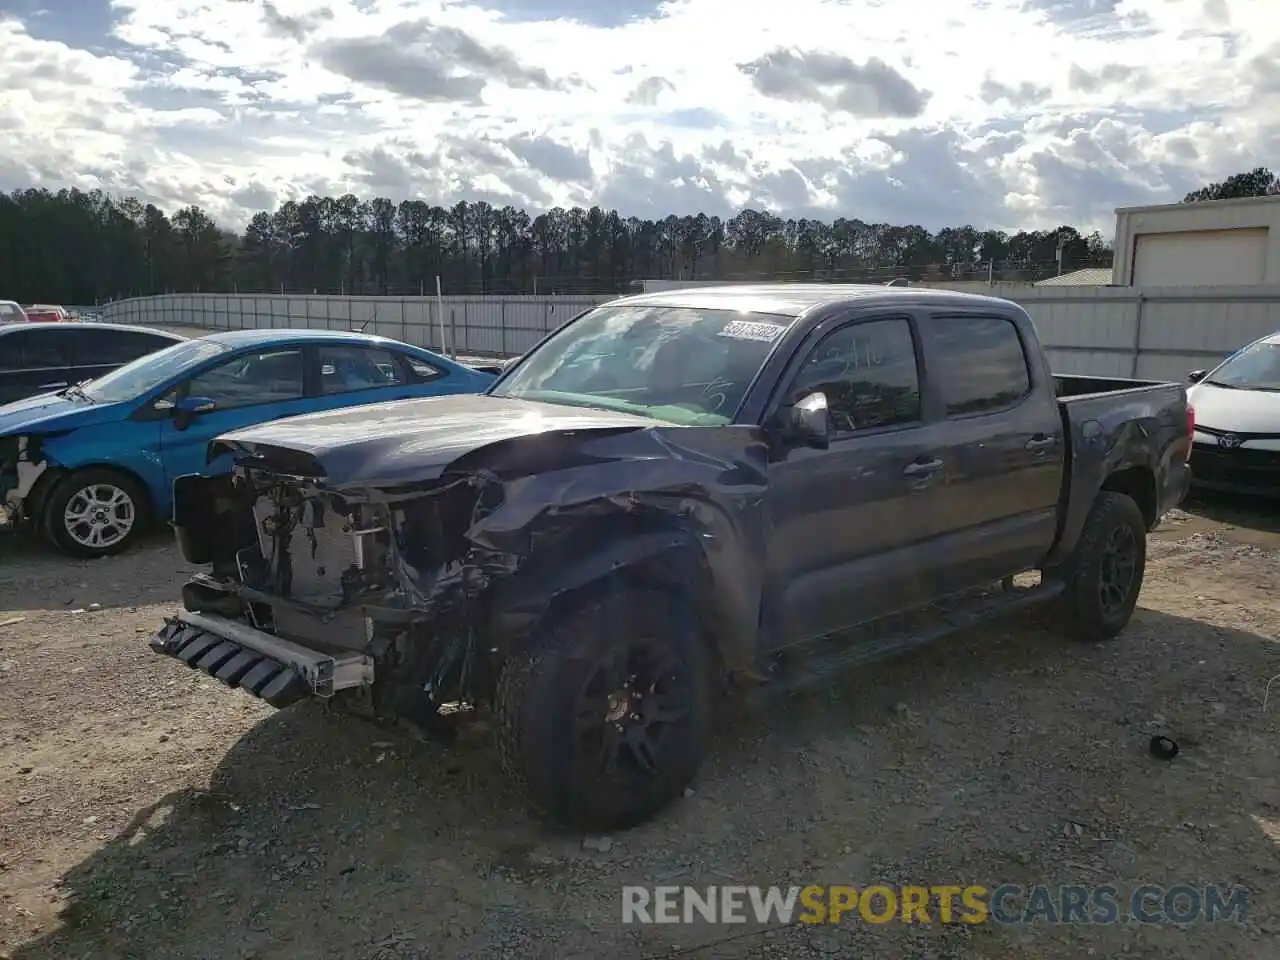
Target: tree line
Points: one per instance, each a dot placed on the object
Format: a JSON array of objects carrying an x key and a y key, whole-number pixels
[{"x": 78, "y": 247}]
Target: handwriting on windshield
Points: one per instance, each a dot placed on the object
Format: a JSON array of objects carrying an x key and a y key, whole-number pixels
[{"x": 714, "y": 392}]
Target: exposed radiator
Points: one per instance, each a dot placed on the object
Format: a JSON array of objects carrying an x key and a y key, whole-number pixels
[{"x": 319, "y": 553}]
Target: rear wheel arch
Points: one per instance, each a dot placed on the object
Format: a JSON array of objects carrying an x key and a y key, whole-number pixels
[{"x": 1138, "y": 483}]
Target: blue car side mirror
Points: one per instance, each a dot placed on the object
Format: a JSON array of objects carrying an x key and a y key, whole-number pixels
[
  {"x": 187, "y": 409},
  {"x": 192, "y": 406}
]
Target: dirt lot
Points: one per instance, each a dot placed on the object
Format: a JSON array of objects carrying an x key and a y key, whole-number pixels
[{"x": 147, "y": 812}]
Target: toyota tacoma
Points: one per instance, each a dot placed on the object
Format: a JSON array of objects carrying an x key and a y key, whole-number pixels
[{"x": 672, "y": 496}]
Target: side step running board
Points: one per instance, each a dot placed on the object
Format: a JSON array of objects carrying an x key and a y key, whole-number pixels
[
  {"x": 814, "y": 665},
  {"x": 268, "y": 667}
]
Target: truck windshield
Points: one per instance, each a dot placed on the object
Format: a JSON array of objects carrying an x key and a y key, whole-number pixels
[
  {"x": 150, "y": 371},
  {"x": 683, "y": 365},
  {"x": 1256, "y": 367}
]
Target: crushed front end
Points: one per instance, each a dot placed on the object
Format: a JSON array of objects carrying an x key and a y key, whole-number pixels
[
  {"x": 373, "y": 600},
  {"x": 393, "y": 560}
]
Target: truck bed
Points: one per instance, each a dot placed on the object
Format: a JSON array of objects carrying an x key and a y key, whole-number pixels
[
  {"x": 1073, "y": 385},
  {"x": 1116, "y": 426}
]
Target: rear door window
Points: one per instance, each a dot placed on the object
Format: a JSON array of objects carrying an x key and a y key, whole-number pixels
[
  {"x": 11, "y": 345},
  {"x": 345, "y": 368},
  {"x": 106, "y": 347},
  {"x": 983, "y": 364},
  {"x": 43, "y": 349}
]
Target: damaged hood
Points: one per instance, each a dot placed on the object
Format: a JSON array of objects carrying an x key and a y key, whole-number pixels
[
  {"x": 49, "y": 412},
  {"x": 406, "y": 441}
]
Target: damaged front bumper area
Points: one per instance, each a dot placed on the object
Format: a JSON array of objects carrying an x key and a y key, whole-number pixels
[
  {"x": 22, "y": 464},
  {"x": 431, "y": 568},
  {"x": 265, "y": 666},
  {"x": 314, "y": 593}
]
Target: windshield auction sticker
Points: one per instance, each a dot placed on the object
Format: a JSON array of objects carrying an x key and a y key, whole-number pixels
[{"x": 752, "y": 330}]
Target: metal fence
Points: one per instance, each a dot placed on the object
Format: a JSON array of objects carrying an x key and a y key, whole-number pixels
[
  {"x": 477, "y": 326},
  {"x": 1152, "y": 332},
  {"x": 1106, "y": 331}
]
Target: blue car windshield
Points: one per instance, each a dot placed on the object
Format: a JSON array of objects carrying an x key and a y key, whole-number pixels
[{"x": 148, "y": 372}]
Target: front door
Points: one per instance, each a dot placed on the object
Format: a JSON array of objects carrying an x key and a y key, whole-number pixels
[
  {"x": 846, "y": 522},
  {"x": 252, "y": 387}
]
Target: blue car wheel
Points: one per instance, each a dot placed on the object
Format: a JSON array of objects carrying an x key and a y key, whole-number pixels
[{"x": 96, "y": 512}]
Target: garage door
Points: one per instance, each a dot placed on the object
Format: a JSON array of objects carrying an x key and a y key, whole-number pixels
[{"x": 1200, "y": 258}]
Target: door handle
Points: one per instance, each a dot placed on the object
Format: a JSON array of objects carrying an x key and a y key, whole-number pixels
[
  {"x": 1039, "y": 442},
  {"x": 919, "y": 469},
  {"x": 51, "y": 386}
]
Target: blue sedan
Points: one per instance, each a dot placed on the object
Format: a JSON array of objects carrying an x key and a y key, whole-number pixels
[{"x": 93, "y": 464}]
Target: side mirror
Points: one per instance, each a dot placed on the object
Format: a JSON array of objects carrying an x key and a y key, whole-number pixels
[
  {"x": 508, "y": 363},
  {"x": 809, "y": 422},
  {"x": 1195, "y": 376},
  {"x": 188, "y": 408}
]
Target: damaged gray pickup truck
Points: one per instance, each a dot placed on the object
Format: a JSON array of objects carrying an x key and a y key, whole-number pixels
[{"x": 672, "y": 496}]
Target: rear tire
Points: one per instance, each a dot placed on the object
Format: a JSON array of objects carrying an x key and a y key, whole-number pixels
[
  {"x": 95, "y": 512},
  {"x": 1104, "y": 574},
  {"x": 602, "y": 722}
]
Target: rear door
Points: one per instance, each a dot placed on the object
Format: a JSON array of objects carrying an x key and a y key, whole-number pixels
[
  {"x": 350, "y": 374},
  {"x": 33, "y": 362},
  {"x": 1004, "y": 448},
  {"x": 848, "y": 521}
]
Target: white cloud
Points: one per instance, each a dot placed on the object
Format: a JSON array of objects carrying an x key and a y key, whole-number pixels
[{"x": 1012, "y": 113}]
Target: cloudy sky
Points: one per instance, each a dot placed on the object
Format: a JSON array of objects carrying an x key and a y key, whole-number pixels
[{"x": 1000, "y": 113}]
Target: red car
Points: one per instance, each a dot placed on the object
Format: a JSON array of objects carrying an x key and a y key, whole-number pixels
[{"x": 47, "y": 313}]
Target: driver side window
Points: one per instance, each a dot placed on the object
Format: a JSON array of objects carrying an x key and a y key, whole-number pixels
[
  {"x": 868, "y": 372},
  {"x": 271, "y": 376}
]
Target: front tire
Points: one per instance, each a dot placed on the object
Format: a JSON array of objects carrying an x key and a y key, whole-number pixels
[
  {"x": 1105, "y": 572},
  {"x": 602, "y": 722},
  {"x": 95, "y": 513}
]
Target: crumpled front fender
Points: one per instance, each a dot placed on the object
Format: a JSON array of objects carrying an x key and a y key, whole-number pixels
[
  {"x": 683, "y": 508},
  {"x": 664, "y": 558},
  {"x": 22, "y": 464}
]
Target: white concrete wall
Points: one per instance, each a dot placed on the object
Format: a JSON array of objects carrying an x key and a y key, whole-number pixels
[
  {"x": 1248, "y": 213},
  {"x": 1155, "y": 333}
]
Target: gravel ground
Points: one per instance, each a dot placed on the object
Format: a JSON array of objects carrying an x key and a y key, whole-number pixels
[{"x": 147, "y": 812}]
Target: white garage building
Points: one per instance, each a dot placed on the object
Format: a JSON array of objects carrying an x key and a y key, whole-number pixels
[{"x": 1216, "y": 243}]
